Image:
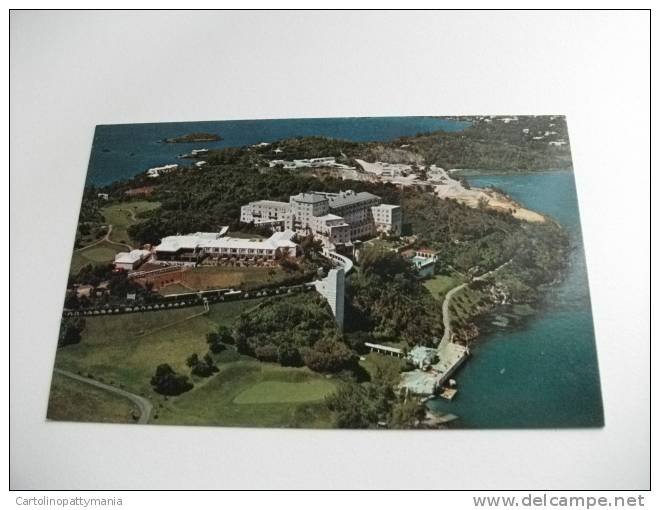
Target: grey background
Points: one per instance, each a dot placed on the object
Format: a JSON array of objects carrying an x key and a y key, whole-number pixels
[{"x": 73, "y": 70}]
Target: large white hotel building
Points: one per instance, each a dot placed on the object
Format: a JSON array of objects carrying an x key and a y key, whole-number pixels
[{"x": 335, "y": 218}]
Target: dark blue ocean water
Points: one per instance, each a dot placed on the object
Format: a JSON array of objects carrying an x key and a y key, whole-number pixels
[
  {"x": 123, "y": 150},
  {"x": 545, "y": 373}
]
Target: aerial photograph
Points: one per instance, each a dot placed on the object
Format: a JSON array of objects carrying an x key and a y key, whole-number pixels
[{"x": 352, "y": 273}]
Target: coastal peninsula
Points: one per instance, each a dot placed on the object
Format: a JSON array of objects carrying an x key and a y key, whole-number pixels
[{"x": 339, "y": 282}]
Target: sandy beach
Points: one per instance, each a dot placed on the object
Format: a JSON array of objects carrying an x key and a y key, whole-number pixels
[{"x": 444, "y": 186}]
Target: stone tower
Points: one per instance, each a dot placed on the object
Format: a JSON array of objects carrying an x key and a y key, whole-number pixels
[{"x": 332, "y": 289}]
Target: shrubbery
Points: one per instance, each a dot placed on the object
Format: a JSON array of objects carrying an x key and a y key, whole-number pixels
[
  {"x": 167, "y": 382},
  {"x": 204, "y": 367},
  {"x": 288, "y": 355},
  {"x": 329, "y": 355},
  {"x": 294, "y": 331},
  {"x": 217, "y": 339},
  {"x": 71, "y": 329},
  {"x": 385, "y": 298}
]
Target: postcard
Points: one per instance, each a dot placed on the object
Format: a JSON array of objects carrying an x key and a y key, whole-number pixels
[{"x": 382, "y": 273}]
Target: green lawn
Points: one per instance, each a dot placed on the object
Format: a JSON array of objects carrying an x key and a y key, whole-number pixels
[
  {"x": 248, "y": 393},
  {"x": 103, "y": 252},
  {"x": 72, "y": 400},
  {"x": 127, "y": 348},
  {"x": 383, "y": 244},
  {"x": 269, "y": 392},
  {"x": 174, "y": 288},
  {"x": 226, "y": 313},
  {"x": 119, "y": 215},
  {"x": 440, "y": 284},
  {"x": 383, "y": 364},
  {"x": 222, "y": 277}
]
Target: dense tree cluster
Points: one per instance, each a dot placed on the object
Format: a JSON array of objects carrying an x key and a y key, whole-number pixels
[
  {"x": 375, "y": 403},
  {"x": 329, "y": 355},
  {"x": 90, "y": 208},
  {"x": 360, "y": 406},
  {"x": 218, "y": 338},
  {"x": 294, "y": 331},
  {"x": 204, "y": 367},
  {"x": 476, "y": 241},
  {"x": 167, "y": 382},
  {"x": 464, "y": 237},
  {"x": 118, "y": 286},
  {"x": 385, "y": 298},
  {"x": 311, "y": 147},
  {"x": 195, "y": 200},
  {"x": 495, "y": 145},
  {"x": 71, "y": 329},
  {"x": 521, "y": 144},
  {"x": 90, "y": 217}
]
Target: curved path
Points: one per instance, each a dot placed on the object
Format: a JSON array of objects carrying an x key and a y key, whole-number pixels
[
  {"x": 446, "y": 320},
  {"x": 105, "y": 238},
  {"x": 131, "y": 212},
  {"x": 144, "y": 405}
]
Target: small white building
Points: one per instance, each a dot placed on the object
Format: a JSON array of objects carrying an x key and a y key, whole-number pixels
[
  {"x": 131, "y": 260},
  {"x": 424, "y": 262},
  {"x": 159, "y": 170},
  {"x": 103, "y": 196}
]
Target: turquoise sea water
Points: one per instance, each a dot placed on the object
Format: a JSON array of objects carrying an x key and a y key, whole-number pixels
[
  {"x": 543, "y": 373},
  {"x": 121, "y": 151}
]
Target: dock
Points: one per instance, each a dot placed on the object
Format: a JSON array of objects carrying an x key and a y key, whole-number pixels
[
  {"x": 448, "y": 393},
  {"x": 450, "y": 357},
  {"x": 430, "y": 381}
]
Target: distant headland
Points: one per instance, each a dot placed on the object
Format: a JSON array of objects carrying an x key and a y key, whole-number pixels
[{"x": 194, "y": 137}]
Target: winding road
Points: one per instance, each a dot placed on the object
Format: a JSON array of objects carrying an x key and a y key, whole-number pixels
[
  {"x": 446, "y": 319},
  {"x": 143, "y": 404}
]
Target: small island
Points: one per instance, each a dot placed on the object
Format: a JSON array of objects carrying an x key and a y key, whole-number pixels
[{"x": 194, "y": 137}]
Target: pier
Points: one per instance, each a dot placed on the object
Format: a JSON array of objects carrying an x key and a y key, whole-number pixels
[
  {"x": 429, "y": 381},
  {"x": 450, "y": 357}
]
